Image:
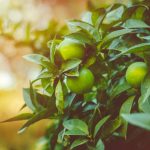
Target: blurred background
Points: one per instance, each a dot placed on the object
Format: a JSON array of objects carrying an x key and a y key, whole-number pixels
[{"x": 25, "y": 27}]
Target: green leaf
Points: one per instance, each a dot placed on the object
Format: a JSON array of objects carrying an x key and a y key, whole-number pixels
[
  {"x": 87, "y": 27},
  {"x": 87, "y": 17},
  {"x": 27, "y": 99},
  {"x": 137, "y": 48},
  {"x": 90, "y": 107},
  {"x": 42, "y": 100},
  {"x": 114, "y": 15},
  {"x": 33, "y": 96},
  {"x": 75, "y": 132},
  {"x": 47, "y": 86},
  {"x": 110, "y": 127},
  {"x": 35, "y": 58},
  {"x": 98, "y": 17},
  {"x": 23, "y": 116},
  {"x": 59, "y": 97},
  {"x": 58, "y": 146},
  {"x": 100, "y": 124},
  {"x": 125, "y": 109},
  {"x": 76, "y": 124},
  {"x": 119, "y": 88},
  {"x": 118, "y": 44},
  {"x": 69, "y": 99},
  {"x": 70, "y": 64},
  {"x": 36, "y": 117},
  {"x": 143, "y": 37},
  {"x": 80, "y": 37},
  {"x": 100, "y": 145},
  {"x": 73, "y": 72},
  {"x": 134, "y": 49},
  {"x": 78, "y": 142},
  {"x": 90, "y": 61},
  {"x": 52, "y": 68},
  {"x": 61, "y": 136},
  {"x": 44, "y": 74},
  {"x": 138, "y": 119},
  {"x": 22, "y": 107},
  {"x": 90, "y": 96},
  {"x": 144, "y": 101},
  {"x": 131, "y": 10},
  {"x": 115, "y": 34},
  {"x": 53, "y": 50},
  {"x": 135, "y": 23}
]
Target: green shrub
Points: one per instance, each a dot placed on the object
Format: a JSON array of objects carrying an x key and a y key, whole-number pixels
[{"x": 113, "y": 38}]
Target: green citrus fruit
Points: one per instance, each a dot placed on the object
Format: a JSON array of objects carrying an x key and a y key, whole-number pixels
[
  {"x": 136, "y": 73},
  {"x": 81, "y": 84},
  {"x": 69, "y": 49}
]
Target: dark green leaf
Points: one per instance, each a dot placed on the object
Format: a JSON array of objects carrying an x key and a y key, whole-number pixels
[
  {"x": 98, "y": 16},
  {"x": 78, "y": 142},
  {"x": 22, "y": 107},
  {"x": 36, "y": 117},
  {"x": 139, "y": 13},
  {"x": 100, "y": 124},
  {"x": 23, "y": 116},
  {"x": 119, "y": 88},
  {"x": 131, "y": 10},
  {"x": 110, "y": 127}
]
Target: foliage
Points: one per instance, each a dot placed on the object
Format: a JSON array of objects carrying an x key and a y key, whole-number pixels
[{"x": 96, "y": 119}]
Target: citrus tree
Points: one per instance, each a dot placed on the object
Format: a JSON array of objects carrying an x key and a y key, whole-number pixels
[{"x": 94, "y": 82}]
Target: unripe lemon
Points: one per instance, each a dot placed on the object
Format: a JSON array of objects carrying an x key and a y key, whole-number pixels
[
  {"x": 81, "y": 84},
  {"x": 136, "y": 73},
  {"x": 69, "y": 49}
]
